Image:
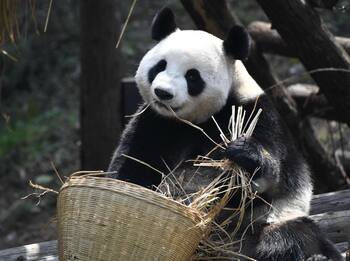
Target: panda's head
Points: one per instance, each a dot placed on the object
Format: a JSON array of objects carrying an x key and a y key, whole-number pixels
[{"x": 189, "y": 72}]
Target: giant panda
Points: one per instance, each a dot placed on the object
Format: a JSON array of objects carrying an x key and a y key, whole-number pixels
[{"x": 196, "y": 75}]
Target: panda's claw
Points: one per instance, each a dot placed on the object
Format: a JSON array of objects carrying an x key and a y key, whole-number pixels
[{"x": 246, "y": 153}]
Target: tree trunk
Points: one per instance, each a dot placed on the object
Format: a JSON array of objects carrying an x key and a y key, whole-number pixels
[
  {"x": 270, "y": 41},
  {"x": 304, "y": 32},
  {"x": 100, "y": 78},
  {"x": 330, "y": 202},
  {"x": 312, "y": 103}
]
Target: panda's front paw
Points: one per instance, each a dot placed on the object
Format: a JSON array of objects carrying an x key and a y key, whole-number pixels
[
  {"x": 246, "y": 153},
  {"x": 251, "y": 156}
]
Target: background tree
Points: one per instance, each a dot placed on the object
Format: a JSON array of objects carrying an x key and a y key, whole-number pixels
[{"x": 99, "y": 87}]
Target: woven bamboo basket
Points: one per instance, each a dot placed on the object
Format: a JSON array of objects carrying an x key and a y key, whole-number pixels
[{"x": 106, "y": 219}]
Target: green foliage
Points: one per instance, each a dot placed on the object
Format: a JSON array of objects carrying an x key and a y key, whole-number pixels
[
  {"x": 33, "y": 135},
  {"x": 40, "y": 90}
]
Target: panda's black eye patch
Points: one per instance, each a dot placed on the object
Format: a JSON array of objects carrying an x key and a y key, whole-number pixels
[
  {"x": 195, "y": 83},
  {"x": 153, "y": 72}
]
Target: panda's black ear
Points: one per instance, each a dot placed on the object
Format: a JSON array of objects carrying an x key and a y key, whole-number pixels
[
  {"x": 237, "y": 43},
  {"x": 163, "y": 24}
]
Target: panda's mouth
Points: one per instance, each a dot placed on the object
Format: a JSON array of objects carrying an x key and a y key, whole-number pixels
[{"x": 167, "y": 107}]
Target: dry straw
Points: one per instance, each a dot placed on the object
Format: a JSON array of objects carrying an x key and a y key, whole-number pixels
[
  {"x": 219, "y": 243},
  {"x": 8, "y": 20},
  {"x": 100, "y": 218}
]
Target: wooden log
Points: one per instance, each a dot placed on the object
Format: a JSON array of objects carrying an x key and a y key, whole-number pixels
[
  {"x": 44, "y": 251},
  {"x": 334, "y": 224},
  {"x": 269, "y": 41},
  {"x": 332, "y": 201},
  {"x": 303, "y": 30},
  {"x": 311, "y": 103},
  {"x": 330, "y": 210},
  {"x": 47, "y": 251}
]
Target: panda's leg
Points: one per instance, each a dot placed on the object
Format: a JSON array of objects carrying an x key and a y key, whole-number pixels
[
  {"x": 298, "y": 239},
  {"x": 329, "y": 250},
  {"x": 272, "y": 243}
]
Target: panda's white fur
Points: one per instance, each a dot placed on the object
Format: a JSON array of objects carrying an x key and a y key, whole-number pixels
[
  {"x": 188, "y": 49},
  {"x": 283, "y": 210}
]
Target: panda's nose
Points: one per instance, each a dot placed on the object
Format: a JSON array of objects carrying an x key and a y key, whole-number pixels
[{"x": 163, "y": 95}]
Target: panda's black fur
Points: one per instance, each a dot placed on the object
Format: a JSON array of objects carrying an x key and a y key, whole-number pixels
[{"x": 163, "y": 142}]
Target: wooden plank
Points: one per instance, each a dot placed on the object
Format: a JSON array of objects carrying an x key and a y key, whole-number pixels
[
  {"x": 332, "y": 201},
  {"x": 335, "y": 224},
  {"x": 45, "y": 251}
]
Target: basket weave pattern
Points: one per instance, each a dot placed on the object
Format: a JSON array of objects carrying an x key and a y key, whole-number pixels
[{"x": 106, "y": 219}]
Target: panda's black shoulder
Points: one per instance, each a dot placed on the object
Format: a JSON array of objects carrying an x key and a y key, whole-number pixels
[{"x": 249, "y": 105}]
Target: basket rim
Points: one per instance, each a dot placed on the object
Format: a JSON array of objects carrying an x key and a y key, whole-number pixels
[{"x": 134, "y": 191}]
